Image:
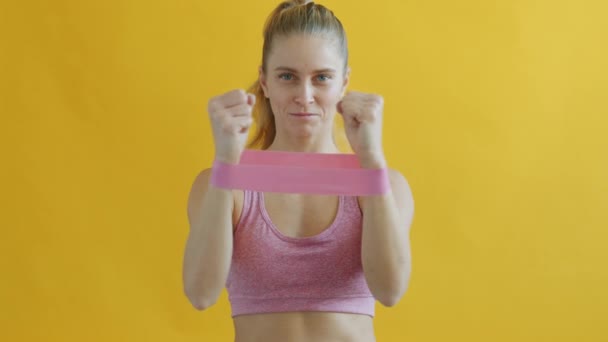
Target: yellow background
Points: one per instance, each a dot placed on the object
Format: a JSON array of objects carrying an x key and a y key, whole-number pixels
[{"x": 496, "y": 113}]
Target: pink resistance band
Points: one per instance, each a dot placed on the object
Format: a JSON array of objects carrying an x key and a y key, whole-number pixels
[{"x": 299, "y": 172}]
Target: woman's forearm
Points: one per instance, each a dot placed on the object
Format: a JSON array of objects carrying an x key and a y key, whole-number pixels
[{"x": 208, "y": 251}]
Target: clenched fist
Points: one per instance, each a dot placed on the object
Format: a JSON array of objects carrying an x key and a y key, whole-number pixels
[
  {"x": 362, "y": 114},
  {"x": 230, "y": 116}
]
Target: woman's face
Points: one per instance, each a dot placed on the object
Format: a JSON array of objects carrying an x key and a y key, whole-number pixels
[{"x": 304, "y": 81}]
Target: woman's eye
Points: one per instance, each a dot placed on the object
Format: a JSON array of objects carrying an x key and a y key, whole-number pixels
[
  {"x": 286, "y": 77},
  {"x": 323, "y": 78}
]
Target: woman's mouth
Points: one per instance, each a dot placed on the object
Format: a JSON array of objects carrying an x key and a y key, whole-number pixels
[{"x": 303, "y": 115}]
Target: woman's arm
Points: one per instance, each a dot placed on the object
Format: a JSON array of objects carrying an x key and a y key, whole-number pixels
[
  {"x": 208, "y": 251},
  {"x": 386, "y": 255}
]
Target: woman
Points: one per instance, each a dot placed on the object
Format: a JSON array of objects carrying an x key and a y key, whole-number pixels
[{"x": 299, "y": 267}]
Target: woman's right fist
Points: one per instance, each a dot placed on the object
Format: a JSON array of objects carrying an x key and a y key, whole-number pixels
[{"x": 230, "y": 116}]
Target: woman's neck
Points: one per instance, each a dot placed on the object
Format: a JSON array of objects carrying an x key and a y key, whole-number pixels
[{"x": 307, "y": 144}]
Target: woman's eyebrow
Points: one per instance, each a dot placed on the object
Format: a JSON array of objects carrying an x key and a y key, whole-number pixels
[{"x": 325, "y": 70}]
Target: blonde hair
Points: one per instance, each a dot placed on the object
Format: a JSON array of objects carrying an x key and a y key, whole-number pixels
[{"x": 291, "y": 17}]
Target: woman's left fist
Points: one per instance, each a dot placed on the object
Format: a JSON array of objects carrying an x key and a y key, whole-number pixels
[{"x": 362, "y": 114}]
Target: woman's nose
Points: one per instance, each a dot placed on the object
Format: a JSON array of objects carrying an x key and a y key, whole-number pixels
[{"x": 305, "y": 94}]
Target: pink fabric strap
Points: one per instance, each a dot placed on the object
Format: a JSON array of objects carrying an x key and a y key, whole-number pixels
[{"x": 298, "y": 172}]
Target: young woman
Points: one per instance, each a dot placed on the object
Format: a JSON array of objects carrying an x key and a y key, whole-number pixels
[{"x": 299, "y": 267}]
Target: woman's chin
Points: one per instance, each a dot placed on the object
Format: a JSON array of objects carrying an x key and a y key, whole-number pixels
[{"x": 303, "y": 131}]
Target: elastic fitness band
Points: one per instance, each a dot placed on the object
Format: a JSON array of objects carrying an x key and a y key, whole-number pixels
[{"x": 300, "y": 172}]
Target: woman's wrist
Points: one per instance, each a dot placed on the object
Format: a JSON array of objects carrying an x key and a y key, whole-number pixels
[
  {"x": 375, "y": 161},
  {"x": 227, "y": 159}
]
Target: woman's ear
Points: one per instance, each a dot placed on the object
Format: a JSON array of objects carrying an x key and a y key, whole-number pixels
[
  {"x": 262, "y": 80},
  {"x": 345, "y": 81}
]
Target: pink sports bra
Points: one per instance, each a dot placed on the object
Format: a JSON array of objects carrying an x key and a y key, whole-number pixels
[{"x": 272, "y": 272}]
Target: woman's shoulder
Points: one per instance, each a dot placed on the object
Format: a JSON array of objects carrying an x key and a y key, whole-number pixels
[
  {"x": 399, "y": 187},
  {"x": 199, "y": 188}
]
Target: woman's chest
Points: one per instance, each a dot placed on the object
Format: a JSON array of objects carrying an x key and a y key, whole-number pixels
[{"x": 301, "y": 216}]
